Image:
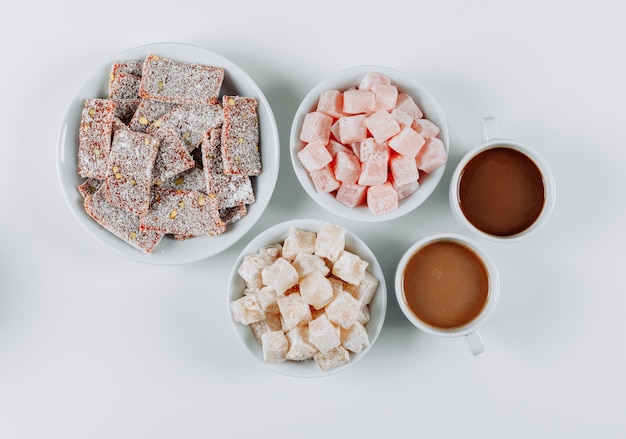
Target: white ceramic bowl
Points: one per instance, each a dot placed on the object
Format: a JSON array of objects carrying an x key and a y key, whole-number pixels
[
  {"x": 278, "y": 233},
  {"x": 170, "y": 251},
  {"x": 343, "y": 80}
]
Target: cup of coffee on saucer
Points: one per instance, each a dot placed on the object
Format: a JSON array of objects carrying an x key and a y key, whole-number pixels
[
  {"x": 502, "y": 190},
  {"x": 447, "y": 286}
]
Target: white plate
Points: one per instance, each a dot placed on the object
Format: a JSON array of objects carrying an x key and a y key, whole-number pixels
[
  {"x": 170, "y": 251},
  {"x": 343, "y": 80},
  {"x": 278, "y": 233}
]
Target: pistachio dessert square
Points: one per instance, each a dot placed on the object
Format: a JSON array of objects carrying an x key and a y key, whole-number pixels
[
  {"x": 147, "y": 112},
  {"x": 94, "y": 137},
  {"x": 175, "y": 81},
  {"x": 183, "y": 213},
  {"x": 129, "y": 172},
  {"x": 240, "y": 136}
]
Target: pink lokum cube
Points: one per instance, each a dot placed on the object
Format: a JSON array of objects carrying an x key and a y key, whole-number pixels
[
  {"x": 406, "y": 103},
  {"x": 382, "y": 198},
  {"x": 407, "y": 142},
  {"x": 351, "y": 195},
  {"x": 331, "y": 103},
  {"x": 373, "y": 172},
  {"x": 352, "y": 128},
  {"x": 324, "y": 180},
  {"x": 432, "y": 155},
  {"x": 403, "y": 169},
  {"x": 348, "y": 168},
  {"x": 386, "y": 96},
  {"x": 426, "y": 128},
  {"x": 359, "y": 101},
  {"x": 372, "y": 78},
  {"x": 314, "y": 156},
  {"x": 369, "y": 147},
  {"x": 316, "y": 125},
  {"x": 334, "y": 147},
  {"x": 404, "y": 119},
  {"x": 406, "y": 189},
  {"x": 382, "y": 125}
]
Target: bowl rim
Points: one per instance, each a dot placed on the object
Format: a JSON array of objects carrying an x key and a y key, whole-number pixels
[
  {"x": 169, "y": 251},
  {"x": 271, "y": 235},
  {"x": 346, "y": 78}
]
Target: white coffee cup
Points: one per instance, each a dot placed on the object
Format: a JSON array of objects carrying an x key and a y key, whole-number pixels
[
  {"x": 469, "y": 329},
  {"x": 492, "y": 140}
]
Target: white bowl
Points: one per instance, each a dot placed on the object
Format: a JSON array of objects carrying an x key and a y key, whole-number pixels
[
  {"x": 170, "y": 251},
  {"x": 343, "y": 80},
  {"x": 278, "y": 233}
]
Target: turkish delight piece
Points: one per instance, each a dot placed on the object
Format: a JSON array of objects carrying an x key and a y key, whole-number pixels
[
  {"x": 129, "y": 67},
  {"x": 352, "y": 128},
  {"x": 371, "y": 78},
  {"x": 89, "y": 186},
  {"x": 403, "y": 169},
  {"x": 343, "y": 310},
  {"x": 349, "y": 267},
  {"x": 147, "y": 112},
  {"x": 300, "y": 346},
  {"x": 129, "y": 172},
  {"x": 294, "y": 311},
  {"x": 407, "y": 142},
  {"x": 274, "y": 346},
  {"x": 230, "y": 190},
  {"x": 175, "y": 81},
  {"x": 386, "y": 96},
  {"x": 406, "y": 103},
  {"x": 316, "y": 289},
  {"x": 403, "y": 119},
  {"x": 240, "y": 136},
  {"x": 280, "y": 275},
  {"x": 324, "y": 180},
  {"x": 347, "y": 167},
  {"x": 121, "y": 223},
  {"x": 231, "y": 215},
  {"x": 331, "y": 103},
  {"x": 270, "y": 323},
  {"x": 268, "y": 299},
  {"x": 190, "y": 121},
  {"x": 183, "y": 213},
  {"x": 94, "y": 137},
  {"x": 405, "y": 190},
  {"x": 323, "y": 334},
  {"x": 314, "y": 155},
  {"x": 306, "y": 263},
  {"x": 382, "y": 125},
  {"x": 351, "y": 195},
  {"x": 252, "y": 266},
  {"x": 247, "y": 309},
  {"x": 432, "y": 155},
  {"x": 366, "y": 289},
  {"x": 334, "y": 147},
  {"x": 355, "y": 338},
  {"x": 330, "y": 242},
  {"x": 374, "y": 171},
  {"x": 316, "y": 126},
  {"x": 298, "y": 242},
  {"x": 172, "y": 158},
  {"x": 332, "y": 359},
  {"x": 382, "y": 198},
  {"x": 124, "y": 86},
  {"x": 357, "y": 101},
  {"x": 426, "y": 128}
]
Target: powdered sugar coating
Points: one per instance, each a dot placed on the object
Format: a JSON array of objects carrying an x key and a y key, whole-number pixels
[
  {"x": 124, "y": 86},
  {"x": 129, "y": 171},
  {"x": 94, "y": 137},
  {"x": 183, "y": 213},
  {"x": 174, "y": 81},
  {"x": 147, "y": 112},
  {"x": 240, "y": 136},
  {"x": 172, "y": 157},
  {"x": 123, "y": 224}
]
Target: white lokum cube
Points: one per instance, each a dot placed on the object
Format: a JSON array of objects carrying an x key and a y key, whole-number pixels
[
  {"x": 280, "y": 275},
  {"x": 306, "y": 264},
  {"x": 247, "y": 309},
  {"x": 323, "y": 334},
  {"x": 365, "y": 290},
  {"x": 355, "y": 338},
  {"x": 294, "y": 310},
  {"x": 275, "y": 346},
  {"x": 333, "y": 358},
  {"x": 267, "y": 298},
  {"x": 252, "y": 266},
  {"x": 270, "y": 323},
  {"x": 349, "y": 268},
  {"x": 298, "y": 241},
  {"x": 343, "y": 310},
  {"x": 316, "y": 290},
  {"x": 300, "y": 347},
  {"x": 330, "y": 242}
]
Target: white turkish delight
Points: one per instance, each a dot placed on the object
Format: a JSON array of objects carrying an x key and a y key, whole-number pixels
[
  {"x": 275, "y": 346},
  {"x": 333, "y": 358},
  {"x": 330, "y": 242},
  {"x": 247, "y": 309},
  {"x": 270, "y": 323},
  {"x": 365, "y": 290},
  {"x": 323, "y": 334},
  {"x": 280, "y": 275},
  {"x": 343, "y": 310},
  {"x": 300, "y": 347},
  {"x": 350, "y": 268},
  {"x": 298, "y": 241},
  {"x": 316, "y": 290},
  {"x": 294, "y": 310},
  {"x": 355, "y": 338},
  {"x": 305, "y": 264}
]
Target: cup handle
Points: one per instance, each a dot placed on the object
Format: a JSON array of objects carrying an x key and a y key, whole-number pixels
[
  {"x": 475, "y": 342},
  {"x": 490, "y": 129}
]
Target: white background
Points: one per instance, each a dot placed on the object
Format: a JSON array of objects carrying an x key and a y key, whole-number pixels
[{"x": 97, "y": 346}]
